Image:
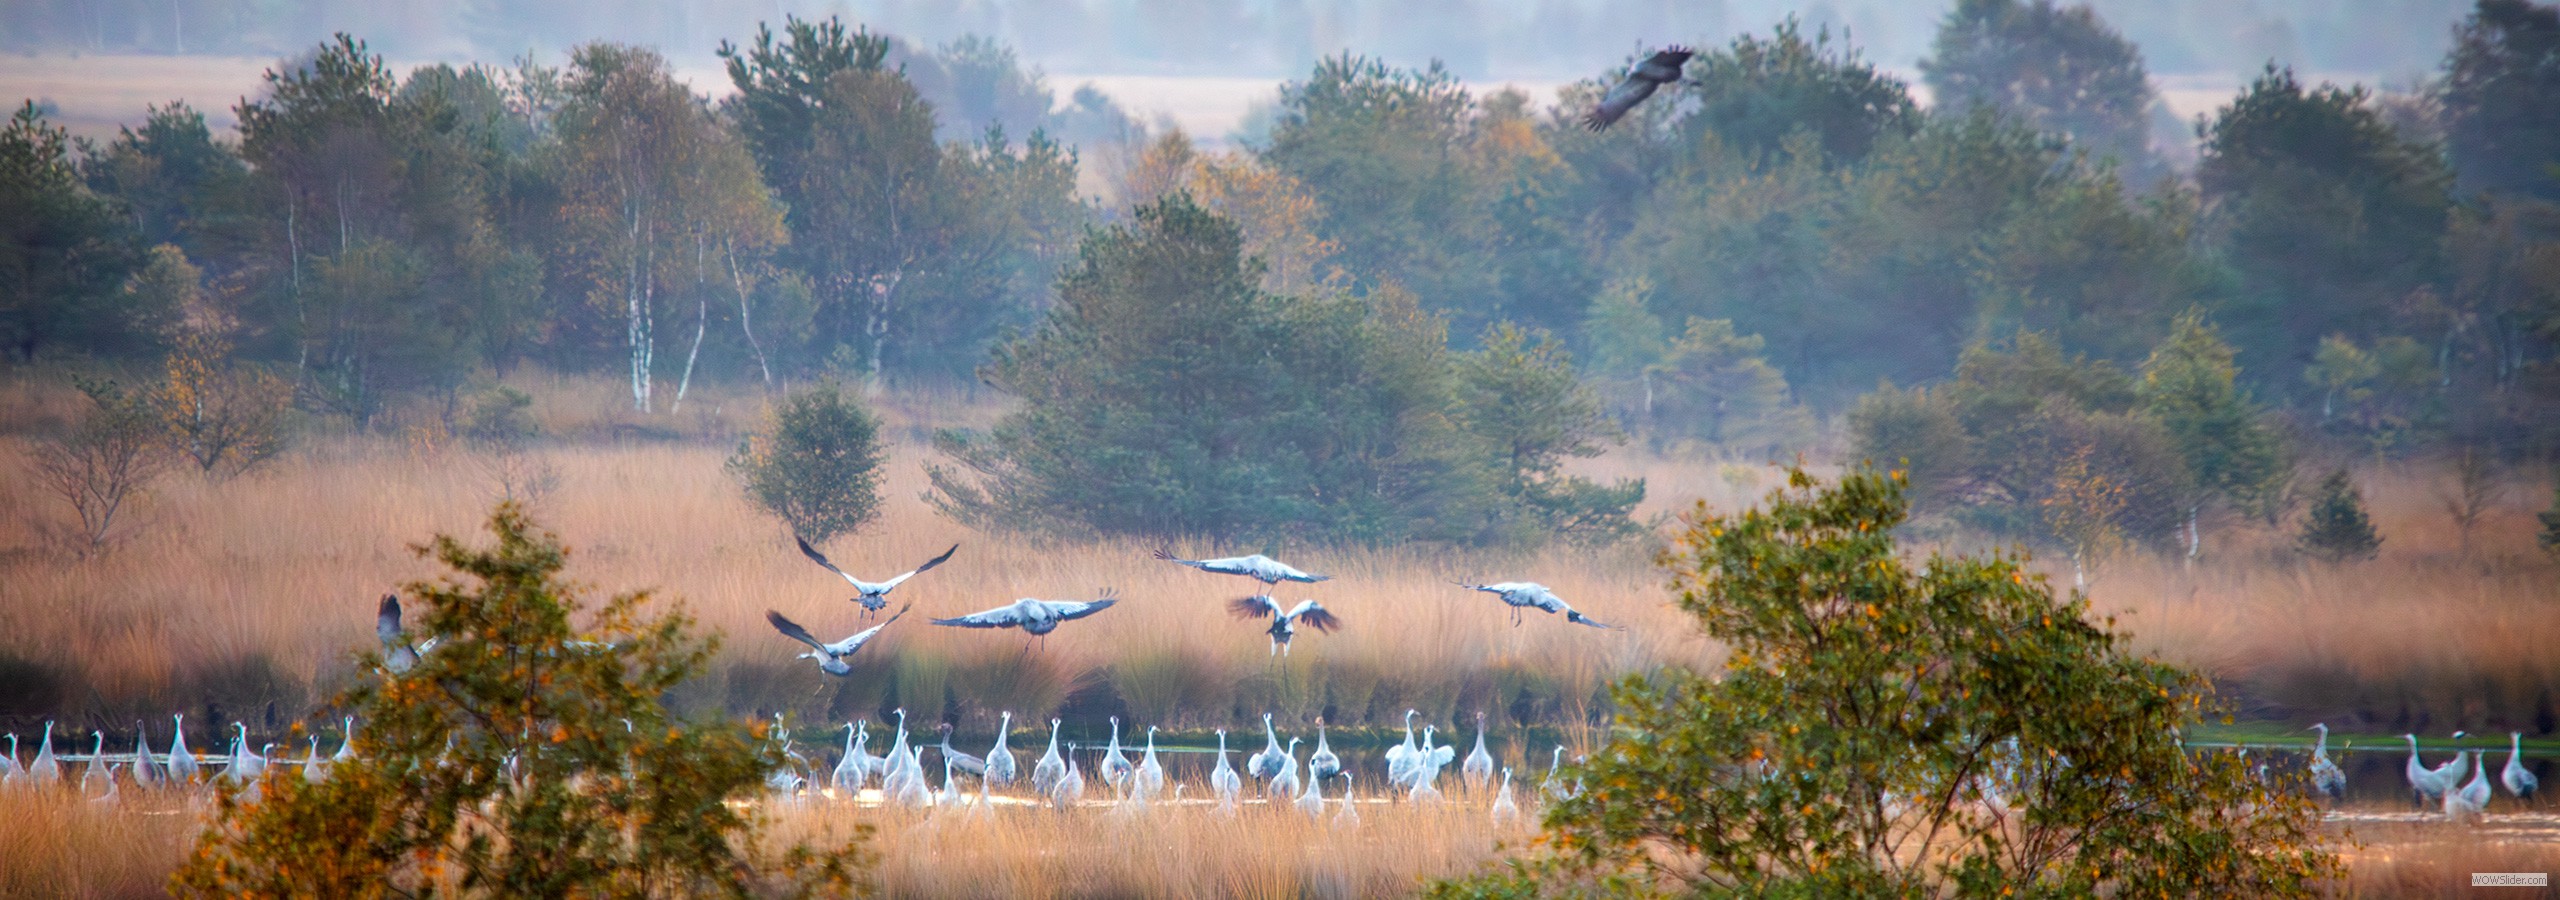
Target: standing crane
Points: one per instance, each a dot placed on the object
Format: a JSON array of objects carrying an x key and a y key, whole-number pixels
[
  {"x": 1264, "y": 764},
  {"x": 2470, "y": 800},
  {"x": 1349, "y": 817},
  {"x": 2519, "y": 781},
  {"x": 1070, "y": 788},
  {"x": 1311, "y": 801},
  {"x": 967, "y": 763},
  {"x": 850, "y": 772},
  {"x": 1046, "y": 773},
  {"x": 1478, "y": 768},
  {"x": 2325, "y": 775},
  {"x": 1000, "y": 761},
  {"x": 1505, "y": 809},
  {"x": 1322, "y": 763},
  {"x": 182, "y": 762},
  {"x": 873, "y": 596},
  {"x": 1150, "y": 774},
  {"x": 1115, "y": 767},
  {"x": 1222, "y": 780}
]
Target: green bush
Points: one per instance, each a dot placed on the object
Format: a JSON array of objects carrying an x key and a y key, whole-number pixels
[
  {"x": 518, "y": 758},
  {"x": 2337, "y": 529},
  {"x": 816, "y": 463},
  {"x": 1888, "y": 728}
]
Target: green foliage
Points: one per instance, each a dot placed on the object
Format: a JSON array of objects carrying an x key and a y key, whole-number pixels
[
  {"x": 1713, "y": 386},
  {"x": 2189, "y": 385},
  {"x": 1519, "y": 396},
  {"x": 2024, "y": 412},
  {"x": 1759, "y": 92},
  {"x": 521, "y": 757},
  {"x": 1379, "y": 147},
  {"x": 64, "y": 251},
  {"x": 2328, "y": 216},
  {"x": 1887, "y": 728},
  {"x": 2336, "y": 528},
  {"x": 815, "y": 464},
  {"x": 915, "y": 253},
  {"x": 1167, "y": 395},
  {"x": 2059, "y": 68},
  {"x": 2501, "y": 81},
  {"x": 1912, "y": 432},
  {"x": 184, "y": 187}
]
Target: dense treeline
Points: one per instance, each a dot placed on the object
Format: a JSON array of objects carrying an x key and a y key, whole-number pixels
[{"x": 2075, "y": 340}]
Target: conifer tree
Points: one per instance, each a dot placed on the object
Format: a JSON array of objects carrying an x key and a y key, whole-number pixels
[{"x": 2337, "y": 529}]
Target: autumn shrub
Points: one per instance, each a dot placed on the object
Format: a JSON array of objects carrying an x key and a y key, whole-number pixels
[
  {"x": 519, "y": 757},
  {"x": 815, "y": 464},
  {"x": 1886, "y": 729}
]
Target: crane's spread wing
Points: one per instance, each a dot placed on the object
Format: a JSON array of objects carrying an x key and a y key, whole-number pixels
[
  {"x": 847, "y": 646},
  {"x": 1005, "y": 616},
  {"x": 1615, "y": 104},
  {"x": 1166, "y": 554},
  {"x": 821, "y": 558},
  {"x": 1290, "y": 573},
  {"x": 1664, "y": 65},
  {"x": 1316, "y": 616},
  {"x": 919, "y": 570},
  {"x": 1258, "y": 606},
  {"x": 1077, "y": 610},
  {"x": 386, "y": 622},
  {"x": 792, "y": 630}
]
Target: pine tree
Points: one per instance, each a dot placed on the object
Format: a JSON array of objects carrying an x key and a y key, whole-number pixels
[{"x": 2337, "y": 529}]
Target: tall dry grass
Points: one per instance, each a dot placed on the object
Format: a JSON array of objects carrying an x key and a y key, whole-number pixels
[
  {"x": 258, "y": 589},
  {"x": 237, "y": 591}
]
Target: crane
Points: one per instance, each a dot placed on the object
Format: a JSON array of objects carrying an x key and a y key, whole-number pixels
[
  {"x": 1662, "y": 68},
  {"x": 851, "y": 770},
  {"x": 1070, "y": 787},
  {"x": 966, "y": 762},
  {"x": 1400, "y": 756},
  {"x": 1284, "y": 625},
  {"x": 1150, "y": 776},
  {"x": 146, "y": 773},
  {"x": 1521, "y": 595},
  {"x": 1349, "y": 816},
  {"x": 1046, "y": 773},
  {"x": 2325, "y": 775},
  {"x": 1223, "y": 780},
  {"x": 874, "y": 596},
  {"x": 1034, "y": 616},
  {"x": 2470, "y": 800},
  {"x": 1322, "y": 763},
  {"x": 1311, "y": 801},
  {"x": 182, "y": 762},
  {"x": 398, "y": 654},
  {"x": 1257, "y": 567},
  {"x": 1286, "y": 781},
  {"x": 45, "y": 772},
  {"x": 1505, "y": 809},
  {"x": 1115, "y": 767},
  {"x": 1478, "y": 768},
  {"x": 830, "y": 657},
  {"x": 1264, "y": 764},
  {"x": 1000, "y": 762},
  {"x": 2520, "y": 782}
]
